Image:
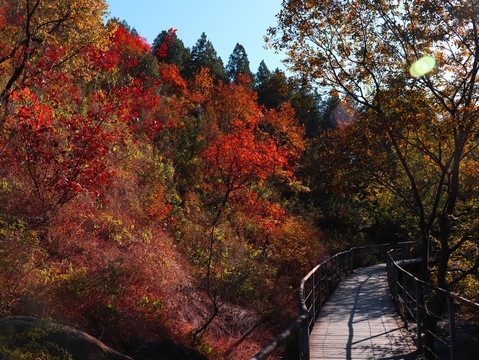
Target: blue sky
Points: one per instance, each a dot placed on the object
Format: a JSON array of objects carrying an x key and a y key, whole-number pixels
[{"x": 225, "y": 23}]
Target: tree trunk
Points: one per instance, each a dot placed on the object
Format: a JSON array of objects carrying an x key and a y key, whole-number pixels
[
  {"x": 205, "y": 325},
  {"x": 435, "y": 306}
]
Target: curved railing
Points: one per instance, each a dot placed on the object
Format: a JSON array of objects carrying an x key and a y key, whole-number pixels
[
  {"x": 409, "y": 295},
  {"x": 318, "y": 285}
]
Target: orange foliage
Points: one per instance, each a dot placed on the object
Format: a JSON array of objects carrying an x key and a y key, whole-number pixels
[
  {"x": 249, "y": 147},
  {"x": 170, "y": 75},
  {"x": 233, "y": 105},
  {"x": 296, "y": 248},
  {"x": 201, "y": 86},
  {"x": 285, "y": 130}
]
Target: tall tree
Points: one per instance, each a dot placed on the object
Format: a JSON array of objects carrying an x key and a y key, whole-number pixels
[
  {"x": 413, "y": 69},
  {"x": 239, "y": 160},
  {"x": 262, "y": 77},
  {"x": 306, "y": 101},
  {"x": 203, "y": 55},
  {"x": 238, "y": 64},
  {"x": 275, "y": 90},
  {"x": 176, "y": 53}
]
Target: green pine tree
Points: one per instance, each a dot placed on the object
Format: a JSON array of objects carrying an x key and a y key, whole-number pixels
[
  {"x": 273, "y": 90},
  {"x": 203, "y": 54},
  {"x": 307, "y": 104},
  {"x": 238, "y": 64},
  {"x": 262, "y": 76},
  {"x": 176, "y": 54}
]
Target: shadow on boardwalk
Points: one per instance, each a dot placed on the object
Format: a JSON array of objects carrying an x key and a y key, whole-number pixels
[{"x": 359, "y": 322}]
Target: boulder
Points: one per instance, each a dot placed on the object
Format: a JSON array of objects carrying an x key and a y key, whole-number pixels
[{"x": 80, "y": 345}]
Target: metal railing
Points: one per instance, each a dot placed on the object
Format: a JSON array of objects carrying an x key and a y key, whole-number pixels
[
  {"x": 410, "y": 295},
  {"x": 318, "y": 285}
]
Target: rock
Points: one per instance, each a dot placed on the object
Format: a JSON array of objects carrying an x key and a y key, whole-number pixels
[{"x": 80, "y": 345}]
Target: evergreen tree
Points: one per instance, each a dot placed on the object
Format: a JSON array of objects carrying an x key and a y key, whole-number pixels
[
  {"x": 306, "y": 103},
  {"x": 176, "y": 54},
  {"x": 273, "y": 91},
  {"x": 127, "y": 27},
  {"x": 203, "y": 54},
  {"x": 262, "y": 77},
  {"x": 326, "y": 109},
  {"x": 238, "y": 64},
  {"x": 218, "y": 70}
]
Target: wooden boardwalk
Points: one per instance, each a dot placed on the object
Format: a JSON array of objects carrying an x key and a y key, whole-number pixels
[{"x": 359, "y": 321}]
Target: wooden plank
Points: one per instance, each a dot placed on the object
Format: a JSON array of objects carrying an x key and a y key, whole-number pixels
[{"x": 359, "y": 321}]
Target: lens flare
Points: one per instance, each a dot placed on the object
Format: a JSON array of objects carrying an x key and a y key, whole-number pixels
[{"x": 422, "y": 66}]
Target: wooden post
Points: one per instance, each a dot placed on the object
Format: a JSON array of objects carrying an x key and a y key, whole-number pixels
[
  {"x": 313, "y": 294},
  {"x": 352, "y": 260},
  {"x": 420, "y": 317},
  {"x": 404, "y": 300},
  {"x": 327, "y": 280},
  {"x": 338, "y": 270},
  {"x": 452, "y": 326},
  {"x": 304, "y": 340},
  {"x": 320, "y": 288}
]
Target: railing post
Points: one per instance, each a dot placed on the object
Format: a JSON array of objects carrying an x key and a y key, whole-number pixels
[
  {"x": 348, "y": 264},
  {"x": 334, "y": 274},
  {"x": 327, "y": 280},
  {"x": 452, "y": 326},
  {"x": 338, "y": 270},
  {"x": 407, "y": 253},
  {"x": 320, "y": 288},
  {"x": 304, "y": 340},
  {"x": 404, "y": 300},
  {"x": 352, "y": 260},
  {"x": 419, "y": 309},
  {"x": 335, "y": 269},
  {"x": 340, "y": 267},
  {"x": 396, "y": 285},
  {"x": 362, "y": 252},
  {"x": 313, "y": 297}
]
